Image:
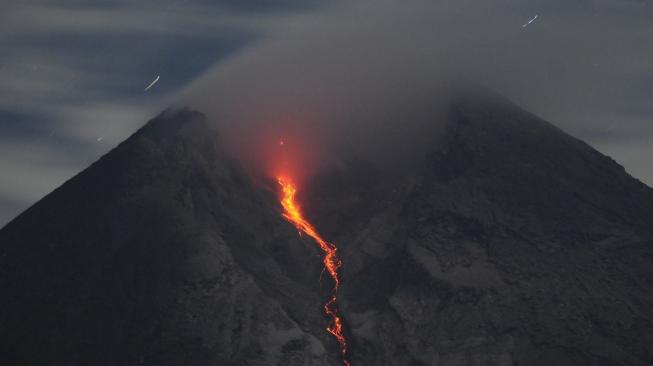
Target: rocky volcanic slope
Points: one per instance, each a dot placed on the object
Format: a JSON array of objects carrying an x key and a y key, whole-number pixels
[
  {"x": 512, "y": 244},
  {"x": 161, "y": 253},
  {"x": 515, "y": 244}
]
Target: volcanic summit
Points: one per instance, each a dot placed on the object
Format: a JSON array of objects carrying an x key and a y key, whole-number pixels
[{"x": 509, "y": 243}]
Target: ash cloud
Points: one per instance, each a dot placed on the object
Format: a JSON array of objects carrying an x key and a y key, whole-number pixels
[{"x": 369, "y": 78}]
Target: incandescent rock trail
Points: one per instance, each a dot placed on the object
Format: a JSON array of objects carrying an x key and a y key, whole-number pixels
[{"x": 332, "y": 262}]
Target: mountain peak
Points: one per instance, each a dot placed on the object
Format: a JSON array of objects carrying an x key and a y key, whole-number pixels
[
  {"x": 172, "y": 121},
  {"x": 522, "y": 162},
  {"x": 158, "y": 253}
]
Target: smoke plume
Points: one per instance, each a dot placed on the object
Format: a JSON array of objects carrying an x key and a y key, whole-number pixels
[{"x": 368, "y": 79}]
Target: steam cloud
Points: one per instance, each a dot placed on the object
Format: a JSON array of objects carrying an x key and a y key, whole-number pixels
[{"x": 369, "y": 78}]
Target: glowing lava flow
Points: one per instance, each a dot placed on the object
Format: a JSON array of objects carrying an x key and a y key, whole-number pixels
[{"x": 332, "y": 263}]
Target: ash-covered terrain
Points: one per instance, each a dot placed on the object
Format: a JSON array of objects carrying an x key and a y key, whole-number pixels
[{"x": 511, "y": 243}]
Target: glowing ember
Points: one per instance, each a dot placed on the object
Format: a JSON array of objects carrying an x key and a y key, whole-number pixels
[{"x": 332, "y": 263}]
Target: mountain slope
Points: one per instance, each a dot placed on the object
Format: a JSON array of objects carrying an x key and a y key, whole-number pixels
[
  {"x": 515, "y": 244},
  {"x": 512, "y": 243},
  {"x": 162, "y": 252}
]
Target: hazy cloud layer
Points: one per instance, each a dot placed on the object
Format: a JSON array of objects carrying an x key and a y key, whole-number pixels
[
  {"x": 73, "y": 74},
  {"x": 364, "y": 75}
]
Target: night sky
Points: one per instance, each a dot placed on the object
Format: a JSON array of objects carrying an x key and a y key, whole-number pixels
[{"x": 73, "y": 74}]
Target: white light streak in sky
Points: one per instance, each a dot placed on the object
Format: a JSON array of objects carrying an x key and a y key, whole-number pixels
[
  {"x": 530, "y": 21},
  {"x": 152, "y": 83}
]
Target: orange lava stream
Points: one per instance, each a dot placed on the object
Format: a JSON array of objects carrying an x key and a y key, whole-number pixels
[{"x": 332, "y": 263}]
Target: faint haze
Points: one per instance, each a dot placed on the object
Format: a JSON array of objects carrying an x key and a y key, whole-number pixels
[
  {"x": 368, "y": 77},
  {"x": 358, "y": 76}
]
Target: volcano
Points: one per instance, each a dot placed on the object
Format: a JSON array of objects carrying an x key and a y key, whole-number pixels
[{"x": 510, "y": 243}]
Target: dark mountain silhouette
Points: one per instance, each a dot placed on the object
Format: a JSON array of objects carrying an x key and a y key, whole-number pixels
[
  {"x": 511, "y": 244},
  {"x": 516, "y": 244},
  {"x": 160, "y": 253}
]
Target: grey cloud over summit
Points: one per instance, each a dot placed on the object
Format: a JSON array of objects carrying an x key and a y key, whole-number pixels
[{"x": 581, "y": 65}]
